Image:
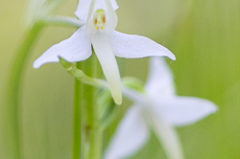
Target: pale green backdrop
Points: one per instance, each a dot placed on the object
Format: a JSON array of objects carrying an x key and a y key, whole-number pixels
[{"x": 204, "y": 35}]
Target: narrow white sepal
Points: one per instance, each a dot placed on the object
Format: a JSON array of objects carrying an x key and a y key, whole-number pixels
[
  {"x": 130, "y": 136},
  {"x": 135, "y": 46},
  {"x": 180, "y": 111},
  {"x": 109, "y": 65},
  {"x": 74, "y": 49},
  {"x": 167, "y": 136},
  {"x": 160, "y": 83}
]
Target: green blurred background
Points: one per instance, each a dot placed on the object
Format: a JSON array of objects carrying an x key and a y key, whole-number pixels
[{"x": 203, "y": 34}]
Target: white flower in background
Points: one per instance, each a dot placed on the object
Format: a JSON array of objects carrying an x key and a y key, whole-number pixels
[
  {"x": 160, "y": 109},
  {"x": 39, "y": 10},
  {"x": 35, "y": 10},
  {"x": 100, "y": 21}
]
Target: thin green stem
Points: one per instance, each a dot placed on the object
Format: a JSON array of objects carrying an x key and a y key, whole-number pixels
[
  {"x": 12, "y": 94},
  {"x": 85, "y": 112},
  {"x": 91, "y": 108},
  {"x": 81, "y": 76},
  {"x": 96, "y": 144},
  {"x": 78, "y": 119}
]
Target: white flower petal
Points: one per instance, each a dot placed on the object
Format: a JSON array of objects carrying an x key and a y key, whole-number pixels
[
  {"x": 160, "y": 82},
  {"x": 109, "y": 65},
  {"x": 135, "y": 46},
  {"x": 167, "y": 137},
  {"x": 83, "y": 8},
  {"x": 181, "y": 111},
  {"x": 74, "y": 49},
  {"x": 131, "y": 135}
]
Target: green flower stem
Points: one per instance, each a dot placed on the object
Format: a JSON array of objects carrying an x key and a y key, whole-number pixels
[
  {"x": 81, "y": 76},
  {"x": 89, "y": 94},
  {"x": 92, "y": 114},
  {"x": 92, "y": 130},
  {"x": 13, "y": 88},
  {"x": 96, "y": 144},
  {"x": 78, "y": 119}
]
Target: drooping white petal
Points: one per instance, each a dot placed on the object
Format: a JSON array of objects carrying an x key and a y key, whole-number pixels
[
  {"x": 167, "y": 136},
  {"x": 74, "y": 49},
  {"x": 160, "y": 82},
  {"x": 131, "y": 135},
  {"x": 181, "y": 111},
  {"x": 83, "y": 8},
  {"x": 109, "y": 65},
  {"x": 135, "y": 46}
]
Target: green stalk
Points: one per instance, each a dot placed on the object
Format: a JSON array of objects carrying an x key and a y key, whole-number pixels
[
  {"x": 85, "y": 114},
  {"x": 81, "y": 76},
  {"x": 96, "y": 144},
  {"x": 90, "y": 107},
  {"x": 12, "y": 111},
  {"x": 78, "y": 120},
  {"x": 92, "y": 135}
]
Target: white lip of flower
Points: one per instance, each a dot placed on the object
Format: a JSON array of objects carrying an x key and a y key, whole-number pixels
[
  {"x": 161, "y": 109},
  {"x": 99, "y": 31}
]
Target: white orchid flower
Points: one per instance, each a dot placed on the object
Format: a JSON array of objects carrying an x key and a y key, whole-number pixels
[
  {"x": 100, "y": 21},
  {"x": 160, "y": 109}
]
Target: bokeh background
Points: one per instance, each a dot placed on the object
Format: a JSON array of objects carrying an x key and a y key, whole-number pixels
[{"x": 204, "y": 35}]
